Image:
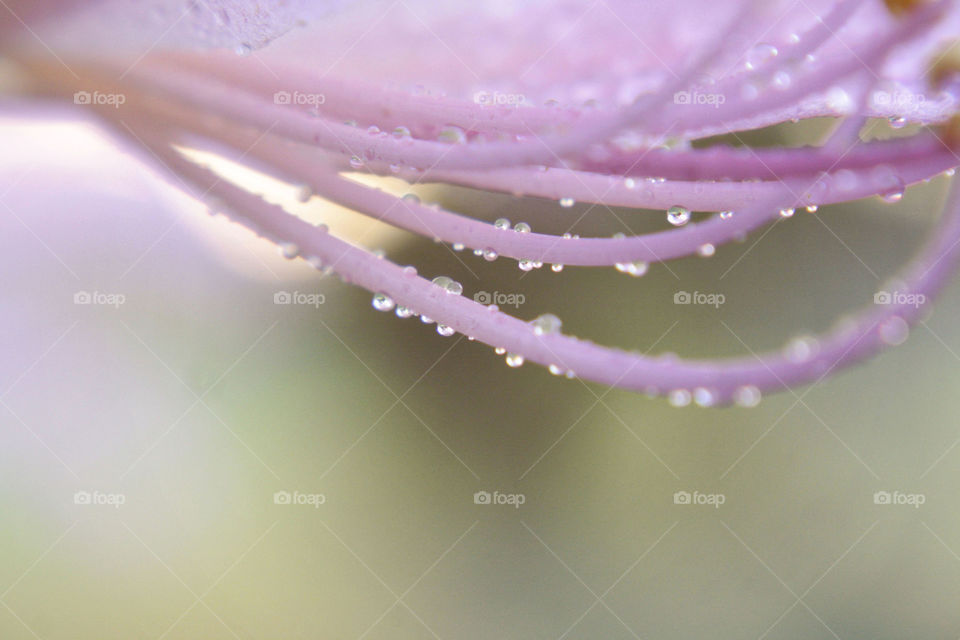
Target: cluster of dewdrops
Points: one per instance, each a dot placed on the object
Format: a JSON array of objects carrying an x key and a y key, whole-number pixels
[{"x": 801, "y": 349}]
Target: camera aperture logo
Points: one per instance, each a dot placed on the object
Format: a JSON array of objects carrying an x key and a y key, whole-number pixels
[
  {"x": 696, "y": 498},
  {"x": 99, "y": 298},
  {"x": 500, "y": 299},
  {"x": 699, "y": 298},
  {"x": 297, "y": 297},
  {"x": 899, "y": 498},
  {"x": 298, "y": 98},
  {"x": 296, "y": 498},
  {"x": 485, "y": 497},
  {"x": 900, "y": 298},
  {"x": 98, "y": 498},
  {"x": 697, "y": 98}
]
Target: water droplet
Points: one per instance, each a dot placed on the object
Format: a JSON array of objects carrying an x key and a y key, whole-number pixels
[
  {"x": 501, "y": 223},
  {"x": 635, "y": 269},
  {"x": 812, "y": 208},
  {"x": 304, "y": 192},
  {"x": 401, "y": 133},
  {"x": 445, "y": 331},
  {"x": 521, "y": 227},
  {"x": 409, "y": 271},
  {"x": 897, "y": 122},
  {"x": 566, "y": 203},
  {"x": 566, "y": 236},
  {"x": 893, "y": 195},
  {"x": 556, "y": 268},
  {"x": 243, "y": 49},
  {"x": 950, "y": 172},
  {"x": 449, "y": 284},
  {"x": 678, "y": 216},
  {"x": 679, "y": 397},
  {"x": 546, "y": 323},
  {"x": 781, "y": 80},
  {"x": 411, "y": 198},
  {"x": 499, "y": 351},
  {"x": 382, "y": 302},
  {"x": 894, "y": 330},
  {"x": 704, "y": 397},
  {"x": 489, "y": 254},
  {"x": 425, "y": 319},
  {"x": 839, "y": 100},
  {"x": 726, "y": 215},
  {"x": 403, "y": 312},
  {"x": 747, "y": 396},
  {"x": 458, "y": 246},
  {"x": 759, "y": 55},
  {"x": 356, "y": 162},
  {"x": 801, "y": 349},
  {"x": 706, "y": 250},
  {"x": 514, "y": 360},
  {"x": 289, "y": 250},
  {"x": 525, "y": 265},
  {"x": 630, "y": 183},
  {"x": 452, "y": 135},
  {"x": 373, "y": 130},
  {"x": 555, "y": 369}
]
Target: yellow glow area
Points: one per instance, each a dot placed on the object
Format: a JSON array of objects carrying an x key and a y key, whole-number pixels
[{"x": 345, "y": 223}]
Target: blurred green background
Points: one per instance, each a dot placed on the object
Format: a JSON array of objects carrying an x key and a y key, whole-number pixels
[{"x": 198, "y": 399}]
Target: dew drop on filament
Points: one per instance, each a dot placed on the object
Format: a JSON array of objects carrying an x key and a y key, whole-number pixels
[
  {"x": 678, "y": 216},
  {"x": 679, "y": 398},
  {"x": 445, "y": 331},
  {"x": 747, "y": 396},
  {"x": 514, "y": 360},
  {"x": 289, "y": 250},
  {"x": 382, "y": 302},
  {"x": 546, "y": 323}
]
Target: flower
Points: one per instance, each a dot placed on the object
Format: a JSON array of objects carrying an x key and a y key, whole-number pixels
[{"x": 505, "y": 101}]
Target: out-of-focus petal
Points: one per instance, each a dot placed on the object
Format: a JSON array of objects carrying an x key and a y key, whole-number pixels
[{"x": 128, "y": 26}]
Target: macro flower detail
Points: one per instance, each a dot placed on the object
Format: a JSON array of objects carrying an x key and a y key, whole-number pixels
[{"x": 627, "y": 115}]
